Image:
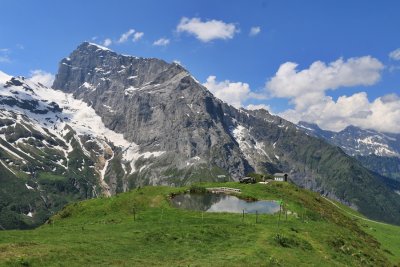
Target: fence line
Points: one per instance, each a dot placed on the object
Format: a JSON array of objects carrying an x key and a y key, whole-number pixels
[{"x": 223, "y": 189}]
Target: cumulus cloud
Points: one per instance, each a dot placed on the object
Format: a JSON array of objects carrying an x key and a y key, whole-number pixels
[
  {"x": 258, "y": 106},
  {"x": 382, "y": 114},
  {"x": 137, "y": 36},
  {"x": 319, "y": 77},
  {"x": 307, "y": 86},
  {"x": 124, "y": 37},
  {"x": 131, "y": 33},
  {"x": 107, "y": 42},
  {"x": 208, "y": 30},
  {"x": 255, "y": 30},
  {"x": 307, "y": 91},
  {"x": 161, "y": 42},
  {"x": 395, "y": 55},
  {"x": 233, "y": 93},
  {"x": 41, "y": 76}
]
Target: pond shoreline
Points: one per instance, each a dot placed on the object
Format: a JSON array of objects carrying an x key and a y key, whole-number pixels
[{"x": 225, "y": 201}]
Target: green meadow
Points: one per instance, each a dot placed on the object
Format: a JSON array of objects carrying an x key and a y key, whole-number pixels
[{"x": 141, "y": 228}]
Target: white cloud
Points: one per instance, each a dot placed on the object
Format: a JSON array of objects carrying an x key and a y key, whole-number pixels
[
  {"x": 382, "y": 114},
  {"x": 161, "y": 42},
  {"x": 107, "y": 42},
  {"x": 124, "y": 37},
  {"x": 4, "y": 57},
  {"x": 319, "y": 77},
  {"x": 254, "y": 31},
  {"x": 177, "y": 62},
  {"x": 258, "y": 106},
  {"x": 393, "y": 68},
  {"x": 41, "y": 76},
  {"x": 137, "y": 36},
  {"x": 395, "y": 55},
  {"x": 233, "y": 93},
  {"x": 306, "y": 90},
  {"x": 208, "y": 30}
]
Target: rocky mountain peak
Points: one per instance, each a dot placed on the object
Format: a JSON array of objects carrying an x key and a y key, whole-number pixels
[
  {"x": 154, "y": 104},
  {"x": 155, "y": 124},
  {"x": 356, "y": 141},
  {"x": 351, "y": 129},
  {"x": 312, "y": 126},
  {"x": 91, "y": 67},
  {"x": 114, "y": 122}
]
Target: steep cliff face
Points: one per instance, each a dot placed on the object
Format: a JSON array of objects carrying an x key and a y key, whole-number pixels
[
  {"x": 179, "y": 133},
  {"x": 158, "y": 106}
]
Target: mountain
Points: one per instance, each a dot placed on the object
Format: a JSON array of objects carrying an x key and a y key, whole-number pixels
[
  {"x": 114, "y": 122},
  {"x": 50, "y": 153},
  {"x": 358, "y": 142},
  {"x": 377, "y": 151}
]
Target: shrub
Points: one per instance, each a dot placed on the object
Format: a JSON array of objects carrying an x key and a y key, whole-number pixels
[
  {"x": 197, "y": 189},
  {"x": 292, "y": 242}
]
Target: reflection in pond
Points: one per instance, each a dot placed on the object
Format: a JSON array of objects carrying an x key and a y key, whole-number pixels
[{"x": 222, "y": 203}]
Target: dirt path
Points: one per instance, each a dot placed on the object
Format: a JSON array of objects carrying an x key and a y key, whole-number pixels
[{"x": 351, "y": 214}]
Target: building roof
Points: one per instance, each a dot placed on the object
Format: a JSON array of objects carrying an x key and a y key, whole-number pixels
[{"x": 280, "y": 174}]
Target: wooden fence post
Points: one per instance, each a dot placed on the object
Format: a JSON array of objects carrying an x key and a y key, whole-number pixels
[
  {"x": 256, "y": 216},
  {"x": 279, "y": 218}
]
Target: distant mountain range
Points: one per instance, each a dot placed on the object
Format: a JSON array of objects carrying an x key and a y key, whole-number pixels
[
  {"x": 377, "y": 151},
  {"x": 114, "y": 122}
]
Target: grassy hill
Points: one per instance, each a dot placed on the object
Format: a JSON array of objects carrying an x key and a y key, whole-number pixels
[{"x": 141, "y": 228}]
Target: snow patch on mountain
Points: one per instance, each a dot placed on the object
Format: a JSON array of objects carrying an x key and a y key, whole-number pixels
[
  {"x": 100, "y": 47},
  {"x": 29, "y": 187},
  {"x": 88, "y": 86},
  {"x": 132, "y": 154},
  {"x": 5, "y": 166},
  {"x": 247, "y": 143},
  {"x": 4, "y": 77},
  {"x": 377, "y": 148},
  {"x": 304, "y": 127},
  {"x": 9, "y": 151},
  {"x": 54, "y": 110},
  {"x": 130, "y": 90},
  {"x": 356, "y": 141}
]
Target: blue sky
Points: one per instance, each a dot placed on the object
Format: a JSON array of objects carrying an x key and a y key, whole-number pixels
[{"x": 212, "y": 40}]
